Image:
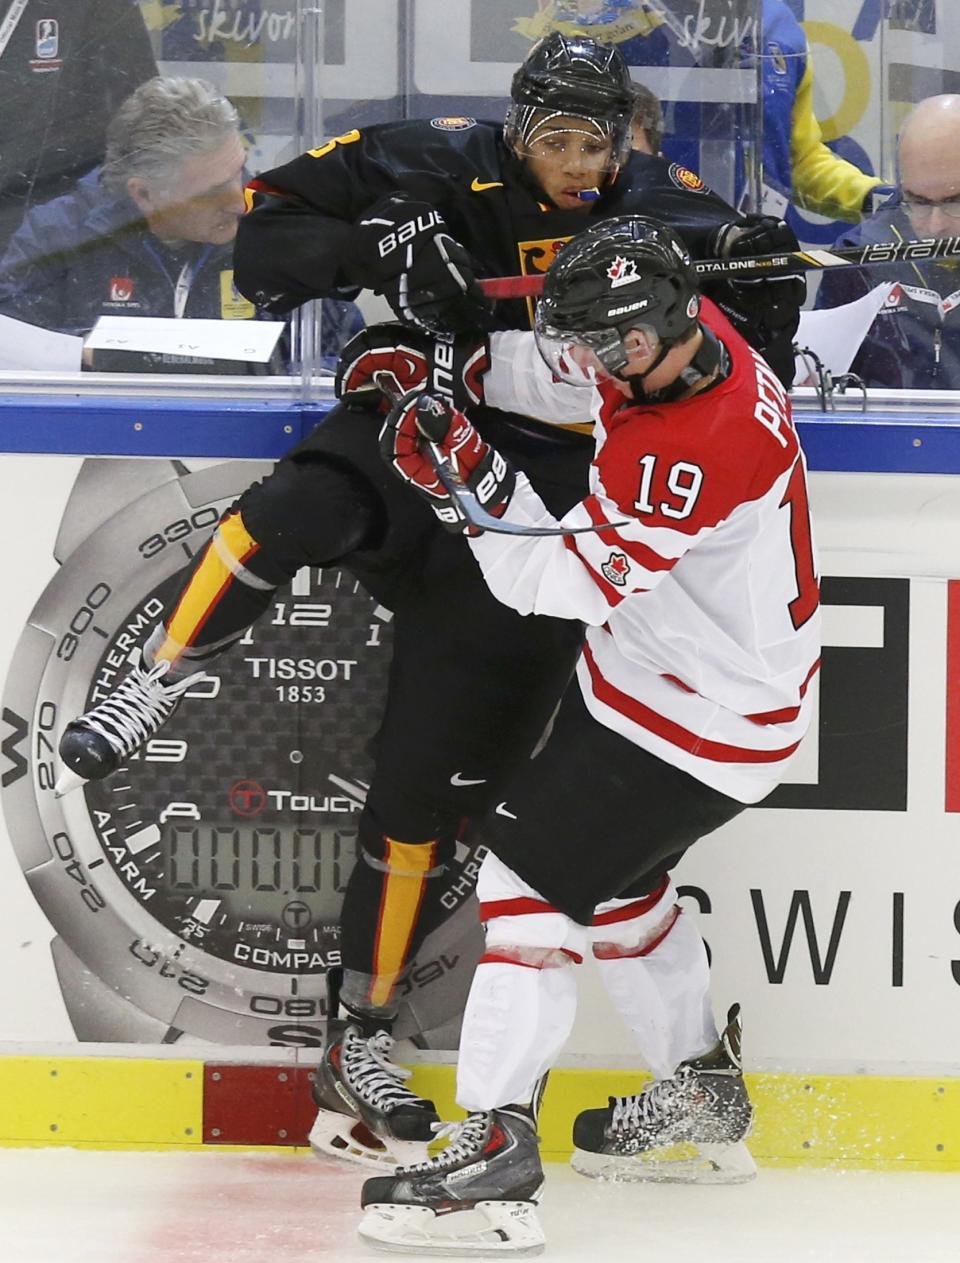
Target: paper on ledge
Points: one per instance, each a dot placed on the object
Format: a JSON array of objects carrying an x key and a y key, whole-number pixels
[
  {"x": 248, "y": 340},
  {"x": 25, "y": 347},
  {"x": 836, "y": 334}
]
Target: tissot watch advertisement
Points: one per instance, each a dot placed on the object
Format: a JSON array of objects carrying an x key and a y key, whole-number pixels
[{"x": 197, "y": 890}]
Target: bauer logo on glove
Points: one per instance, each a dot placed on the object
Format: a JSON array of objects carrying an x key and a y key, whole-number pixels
[
  {"x": 421, "y": 435},
  {"x": 385, "y": 361}
]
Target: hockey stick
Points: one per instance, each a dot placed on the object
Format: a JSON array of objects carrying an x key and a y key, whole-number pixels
[
  {"x": 750, "y": 267},
  {"x": 474, "y": 514}
]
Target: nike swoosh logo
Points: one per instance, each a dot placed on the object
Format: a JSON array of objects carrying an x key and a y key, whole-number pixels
[
  {"x": 501, "y": 810},
  {"x": 458, "y": 780},
  {"x": 479, "y": 186}
]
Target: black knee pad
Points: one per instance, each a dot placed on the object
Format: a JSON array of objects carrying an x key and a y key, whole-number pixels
[{"x": 300, "y": 514}]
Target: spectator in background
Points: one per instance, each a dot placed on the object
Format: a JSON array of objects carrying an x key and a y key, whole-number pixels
[
  {"x": 797, "y": 165},
  {"x": 150, "y": 233},
  {"x": 646, "y": 125},
  {"x": 65, "y": 67},
  {"x": 914, "y": 343}
]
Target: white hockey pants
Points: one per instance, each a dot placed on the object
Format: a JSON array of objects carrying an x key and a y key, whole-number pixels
[{"x": 523, "y": 1000}]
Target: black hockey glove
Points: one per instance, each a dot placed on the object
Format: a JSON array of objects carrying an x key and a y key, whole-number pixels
[
  {"x": 419, "y": 422},
  {"x": 765, "y": 311},
  {"x": 385, "y": 361},
  {"x": 402, "y": 250}
]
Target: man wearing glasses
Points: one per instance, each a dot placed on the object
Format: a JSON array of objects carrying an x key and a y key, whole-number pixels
[{"x": 914, "y": 343}]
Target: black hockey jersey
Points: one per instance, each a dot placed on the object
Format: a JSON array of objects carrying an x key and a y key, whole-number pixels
[{"x": 295, "y": 243}]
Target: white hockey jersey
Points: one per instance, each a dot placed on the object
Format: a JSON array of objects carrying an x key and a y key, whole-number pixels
[{"x": 702, "y": 596}]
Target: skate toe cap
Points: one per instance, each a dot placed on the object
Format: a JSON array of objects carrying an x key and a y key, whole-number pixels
[
  {"x": 378, "y": 1189},
  {"x": 414, "y": 1122},
  {"x": 588, "y": 1129},
  {"x": 87, "y": 753}
]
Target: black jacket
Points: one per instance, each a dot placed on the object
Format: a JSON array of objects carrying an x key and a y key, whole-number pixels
[{"x": 914, "y": 343}]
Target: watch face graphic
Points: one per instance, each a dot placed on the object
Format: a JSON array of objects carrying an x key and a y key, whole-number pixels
[
  {"x": 201, "y": 883},
  {"x": 236, "y": 825}
]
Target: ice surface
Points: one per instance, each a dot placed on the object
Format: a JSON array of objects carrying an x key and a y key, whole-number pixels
[{"x": 67, "y": 1206}]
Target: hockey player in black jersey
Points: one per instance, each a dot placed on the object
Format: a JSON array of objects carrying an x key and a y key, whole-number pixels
[{"x": 417, "y": 211}]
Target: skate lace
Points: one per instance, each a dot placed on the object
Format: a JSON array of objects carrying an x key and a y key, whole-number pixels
[
  {"x": 368, "y": 1069},
  {"x": 137, "y": 707},
  {"x": 466, "y": 1140},
  {"x": 658, "y": 1102}
]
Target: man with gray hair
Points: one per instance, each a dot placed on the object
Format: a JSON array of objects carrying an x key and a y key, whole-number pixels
[
  {"x": 174, "y": 149},
  {"x": 151, "y": 232}
]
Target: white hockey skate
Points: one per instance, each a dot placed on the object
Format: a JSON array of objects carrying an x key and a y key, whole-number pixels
[
  {"x": 688, "y": 1129},
  {"x": 366, "y": 1114},
  {"x": 95, "y": 743},
  {"x": 477, "y": 1197}
]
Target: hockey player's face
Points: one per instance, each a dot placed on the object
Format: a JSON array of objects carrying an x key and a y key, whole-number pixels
[
  {"x": 577, "y": 360},
  {"x": 207, "y": 201},
  {"x": 567, "y": 158}
]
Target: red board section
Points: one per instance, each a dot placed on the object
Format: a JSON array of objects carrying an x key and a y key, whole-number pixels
[
  {"x": 257, "y": 1105},
  {"x": 953, "y": 696}
]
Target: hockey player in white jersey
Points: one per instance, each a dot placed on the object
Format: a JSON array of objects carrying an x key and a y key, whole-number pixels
[{"x": 701, "y": 600}]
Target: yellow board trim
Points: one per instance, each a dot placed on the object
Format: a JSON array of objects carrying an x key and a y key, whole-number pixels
[
  {"x": 857, "y": 1122},
  {"x": 108, "y": 1102}
]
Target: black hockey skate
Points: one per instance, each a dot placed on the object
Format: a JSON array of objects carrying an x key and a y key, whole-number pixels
[
  {"x": 95, "y": 743},
  {"x": 366, "y": 1114},
  {"x": 687, "y": 1129},
  {"x": 477, "y": 1196}
]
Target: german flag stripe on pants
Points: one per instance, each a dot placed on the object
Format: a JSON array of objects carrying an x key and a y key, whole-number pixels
[
  {"x": 400, "y": 900},
  {"x": 208, "y": 584}
]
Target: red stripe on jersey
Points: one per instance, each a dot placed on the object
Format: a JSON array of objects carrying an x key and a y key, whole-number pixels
[
  {"x": 514, "y": 908},
  {"x": 612, "y": 595},
  {"x": 789, "y": 713},
  {"x": 635, "y": 909},
  {"x": 260, "y": 186},
  {"x": 642, "y": 554},
  {"x": 785, "y": 715},
  {"x": 679, "y": 683},
  {"x": 676, "y": 734}
]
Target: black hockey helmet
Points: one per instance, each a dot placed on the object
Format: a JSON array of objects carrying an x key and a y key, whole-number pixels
[
  {"x": 625, "y": 273},
  {"x": 572, "y": 76}
]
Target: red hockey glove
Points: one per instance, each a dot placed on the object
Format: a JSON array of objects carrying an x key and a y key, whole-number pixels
[
  {"x": 393, "y": 359},
  {"x": 419, "y": 421}
]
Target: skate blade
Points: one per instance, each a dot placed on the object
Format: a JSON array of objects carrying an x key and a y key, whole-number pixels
[
  {"x": 336, "y": 1135},
  {"x": 67, "y": 782},
  {"x": 486, "y": 1230},
  {"x": 674, "y": 1164}
]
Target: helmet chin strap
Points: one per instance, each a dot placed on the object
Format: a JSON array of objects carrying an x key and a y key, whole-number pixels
[{"x": 711, "y": 358}]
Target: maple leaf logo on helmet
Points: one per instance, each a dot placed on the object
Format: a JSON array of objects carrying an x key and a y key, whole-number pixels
[{"x": 622, "y": 271}]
